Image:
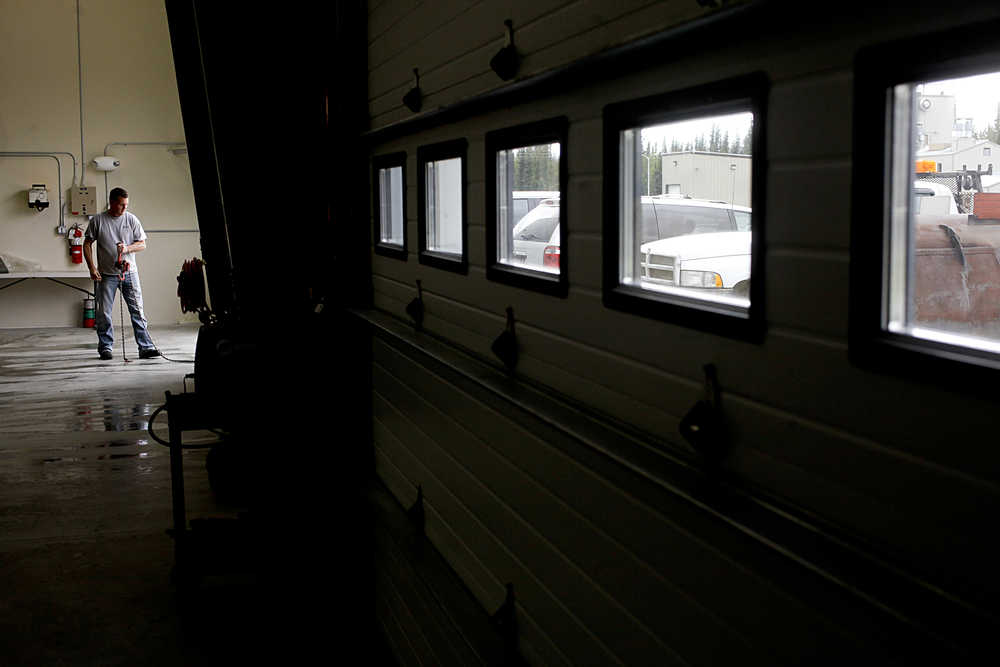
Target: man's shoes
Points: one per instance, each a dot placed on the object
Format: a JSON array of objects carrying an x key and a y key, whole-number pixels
[
  {"x": 149, "y": 354},
  {"x": 105, "y": 354}
]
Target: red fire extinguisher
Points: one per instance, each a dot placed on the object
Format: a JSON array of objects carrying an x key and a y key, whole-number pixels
[{"x": 75, "y": 235}]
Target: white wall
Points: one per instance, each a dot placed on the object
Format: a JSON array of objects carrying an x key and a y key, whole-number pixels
[
  {"x": 938, "y": 120},
  {"x": 710, "y": 176},
  {"x": 129, "y": 95}
]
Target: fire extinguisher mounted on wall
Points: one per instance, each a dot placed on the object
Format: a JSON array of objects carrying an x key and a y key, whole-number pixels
[{"x": 75, "y": 236}]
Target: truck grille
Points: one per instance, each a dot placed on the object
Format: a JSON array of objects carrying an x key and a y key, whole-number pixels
[{"x": 658, "y": 269}]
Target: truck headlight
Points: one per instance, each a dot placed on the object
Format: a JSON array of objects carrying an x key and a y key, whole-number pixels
[{"x": 700, "y": 279}]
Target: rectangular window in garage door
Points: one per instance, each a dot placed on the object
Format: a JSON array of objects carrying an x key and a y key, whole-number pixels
[
  {"x": 526, "y": 238},
  {"x": 925, "y": 240},
  {"x": 441, "y": 215},
  {"x": 684, "y": 206},
  {"x": 389, "y": 206}
]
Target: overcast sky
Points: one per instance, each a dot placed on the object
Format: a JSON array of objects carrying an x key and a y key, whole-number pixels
[
  {"x": 736, "y": 124},
  {"x": 976, "y": 97}
]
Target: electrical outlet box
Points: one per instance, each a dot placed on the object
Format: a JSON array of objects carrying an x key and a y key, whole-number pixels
[
  {"x": 38, "y": 197},
  {"x": 83, "y": 200}
]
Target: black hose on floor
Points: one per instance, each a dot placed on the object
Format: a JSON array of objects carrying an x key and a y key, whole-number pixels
[
  {"x": 152, "y": 420},
  {"x": 121, "y": 293}
]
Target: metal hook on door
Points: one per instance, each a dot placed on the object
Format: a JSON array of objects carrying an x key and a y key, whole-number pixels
[
  {"x": 505, "y": 345},
  {"x": 703, "y": 426},
  {"x": 415, "y": 309},
  {"x": 414, "y": 98}
]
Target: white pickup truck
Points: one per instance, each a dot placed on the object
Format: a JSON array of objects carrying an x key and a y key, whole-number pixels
[
  {"x": 717, "y": 261},
  {"x": 714, "y": 261}
]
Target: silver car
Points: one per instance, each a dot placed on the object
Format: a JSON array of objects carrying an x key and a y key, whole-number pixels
[
  {"x": 525, "y": 201},
  {"x": 536, "y": 238}
]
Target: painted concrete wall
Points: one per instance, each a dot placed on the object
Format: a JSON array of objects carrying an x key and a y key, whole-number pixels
[{"x": 129, "y": 95}]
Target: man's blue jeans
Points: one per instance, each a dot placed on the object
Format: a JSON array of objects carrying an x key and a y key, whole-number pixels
[{"x": 105, "y": 292}]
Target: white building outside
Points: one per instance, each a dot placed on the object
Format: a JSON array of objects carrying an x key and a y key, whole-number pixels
[
  {"x": 964, "y": 153},
  {"x": 935, "y": 120},
  {"x": 722, "y": 177},
  {"x": 948, "y": 141}
]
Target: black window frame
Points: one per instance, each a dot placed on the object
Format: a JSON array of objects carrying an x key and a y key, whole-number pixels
[
  {"x": 747, "y": 92},
  {"x": 877, "y": 69},
  {"x": 379, "y": 162},
  {"x": 444, "y": 150},
  {"x": 546, "y": 131}
]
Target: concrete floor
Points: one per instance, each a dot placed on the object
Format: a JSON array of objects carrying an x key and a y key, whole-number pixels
[
  {"x": 85, "y": 503},
  {"x": 85, "y": 561}
]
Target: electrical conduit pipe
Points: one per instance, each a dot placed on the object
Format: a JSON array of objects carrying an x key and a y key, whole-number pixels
[{"x": 59, "y": 172}]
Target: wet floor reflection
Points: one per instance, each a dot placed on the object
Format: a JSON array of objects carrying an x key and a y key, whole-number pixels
[
  {"x": 126, "y": 450},
  {"x": 99, "y": 457},
  {"x": 142, "y": 462},
  {"x": 141, "y": 444},
  {"x": 126, "y": 418},
  {"x": 112, "y": 416},
  {"x": 86, "y": 414}
]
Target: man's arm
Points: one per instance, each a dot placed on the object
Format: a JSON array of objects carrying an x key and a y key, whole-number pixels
[
  {"x": 88, "y": 254},
  {"x": 134, "y": 247}
]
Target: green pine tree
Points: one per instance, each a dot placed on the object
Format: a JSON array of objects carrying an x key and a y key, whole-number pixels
[
  {"x": 991, "y": 133},
  {"x": 550, "y": 169}
]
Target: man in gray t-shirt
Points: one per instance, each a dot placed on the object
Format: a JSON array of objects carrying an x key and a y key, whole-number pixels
[{"x": 118, "y": 235}]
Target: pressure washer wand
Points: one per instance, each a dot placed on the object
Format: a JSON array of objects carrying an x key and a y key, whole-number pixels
[{"x": 123, "y": 267}]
